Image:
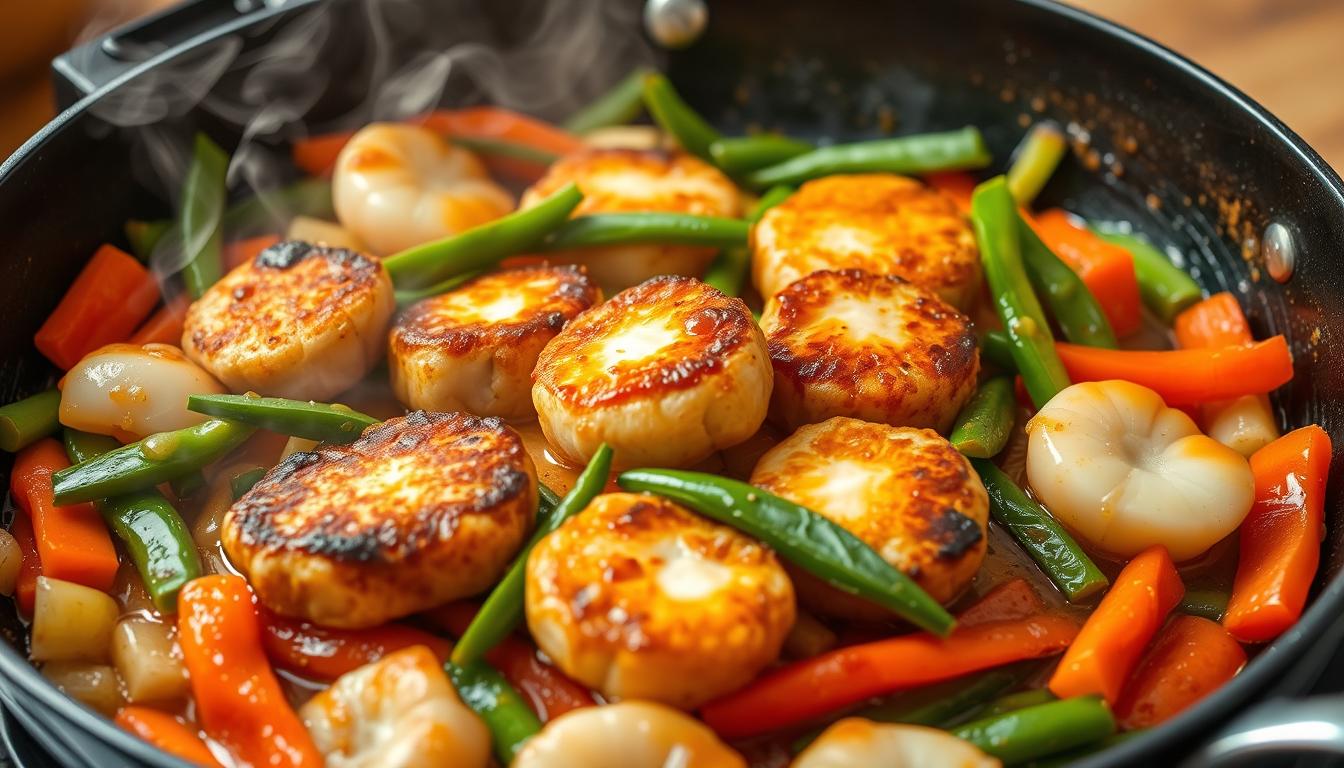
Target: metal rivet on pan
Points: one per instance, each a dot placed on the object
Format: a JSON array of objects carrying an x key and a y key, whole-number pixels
[
  {"x": 675, "y": 23},
  {"x": 1279, "y": 251}
]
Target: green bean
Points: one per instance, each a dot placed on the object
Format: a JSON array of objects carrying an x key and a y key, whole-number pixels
[
  {"x": 271, "y": 210},
  {"x": 996, "y": 347},
  {"x": 648, "y": 227},
  {"x": 800, "y": 535},
  {"x": 1039, "y": 731},
  {"x": 728, "y": 271},
  {"x": 482, "y": 247},
  {"x": 985, "y": 423},
  {"x": 502, "y": 611},
  {"x": 1165, "y": 288},
  {"x": 1067, "y": 565},
  {"x": 146, "y": 463},
  {"x": 510, "y": 149},
  {"x": 144, "y": 235},
  {"x": 744, "y": 154},
  {"x": 617, "y": 106},
  {"x": 411, "y": 296},
  {"x": 1071, "y": 303},
  {"x": 242, "y": 482},
  {"x": 203, "y": 194},
  {"x": 995, "y": 217},
  {"x": 915, "y": 155},
  {"x": 156, "y": 538},
  {"x": 26, "y": 421},
  {"x": 1065, "y": 759},
  {"x": 499, "y": 706},
  {"x": 1208, "y": 603},
  {"x": 188, "y": 485},
  {"x": 296, "y": 418},
  {"x": 1020, "y": 700},
  {"x": 677, "y": 118},
  {"x": 549, "y": 498},
  {"x": 1037, "y": 157}
]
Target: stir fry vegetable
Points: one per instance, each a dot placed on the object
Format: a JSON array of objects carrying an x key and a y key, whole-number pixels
[
  {"x": 25, "y": 421},
  {"x": 1038, "y": 156},
  {"x": 617, "y": 106},
  {"x": 1071, "y": 303},
  {"x": 1106, "y": 269},
  {"x": 200, "y": 220},
  {"x": 601, "y": 229},
  {"x": 72, "y": 541},
  {"x": 1042, "y": 730},
  {"x": 738, "y": 155},
  {"x": 800, "y": 535},
  {"x": 111, "y": 296},
  {"x": 1190, "y": 659},
  {"x": 322, "y": 422},
  {"x": 984, "y": 424},
  {"x": 922, "y": 153},
  {"x": 242, "y": 482},
  {"x": 677, "y": 118},
  {"x": 491, "y": 697},
  {"x": 1165, "y": 288},
  {"x": 167, "y": 733},
  {"x": 326, "y": 653},
  {"x": 729, "y": 270}
]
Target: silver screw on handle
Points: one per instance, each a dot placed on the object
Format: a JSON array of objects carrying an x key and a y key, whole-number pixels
[{"x": 675, "y": 23}]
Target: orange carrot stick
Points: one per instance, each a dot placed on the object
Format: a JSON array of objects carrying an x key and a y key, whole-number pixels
[
  {"x": 1186, "y": 376},
  {"x": 1190, "y": 659},
  {"x": 166, "y": 732},
  {"x": 806, "y": 689},
  {"x": 505, "y": 124},
  {"x": 1106, "y": 268},
  {"x": 105, "y": 304},
  {"x": 239, "y": 702},
  {"x": 1281, "y": 537},
  {"x": 72, "y": 541},
  {"x": 324, "y": 654},
  {"x": 25, "y": 589},
  {"x": 247, "y": 249},
  {"x": 1214, "y": 322},
  {"x": 316, "y": 155},
  {"x": 1008, "y": 601},
  {"x": 165, "y": 326},
  {"x": 1114, "y": 636}
]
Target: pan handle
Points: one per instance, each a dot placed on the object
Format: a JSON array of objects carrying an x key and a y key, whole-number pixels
[{"x": 1277, "y": 727}]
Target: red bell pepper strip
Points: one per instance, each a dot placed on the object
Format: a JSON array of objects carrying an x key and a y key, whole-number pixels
[
  {"x": 324, "y": 654},
  {"x": 1106, "y": 268},
  {"x": 1281, "y": 537},
  {"x": 1008, "y": 601},
  {"x": 72, "y": 541},
  {"x": 110, "y": 298},
  {"x": 1190, "y": 659},
  {"x": 166, "y": 732}
]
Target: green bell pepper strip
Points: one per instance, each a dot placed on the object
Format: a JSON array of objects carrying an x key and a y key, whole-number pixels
[
  {"x": 1071, "y": 302},
  {"x": 502, "y": 611},
  {"x": 1208, "y": 603},
  {"x": 148, "y": 462},
  {"x": 482, "y": 247},
  {"x": 272, "y": 210},
  {"x": 801, "y": 536},
  {"x": 203, "y": 193},
  {"x": 156, "y": 538},
  {"x": 617, "y": 106},
  {"x": 986, "y": 421},
  {"x": 408, "y": 297},
  {"x": 510, "y": 149},
  {"x": 1067, "y": 565},
  {"x": 1040, "y": 731},
  {"x": 997, "y": 348},
  {"x": 325, "y": 423},
  {"x": 728, "y": 271},
  {"x": 242, "y": 482},
  {"x": 144, "y": 235},
  {"x": 743, "y": 154},
  {"x": 489, "y": 695},
  {"x": 1021, "y": 700},
  {"x": 26, "y": 421},
  {"x": 1037, "y": 158},
  {"x": 1165, "y": 288},
  {"x": 648, "y": 227},
  {"x": 995, "y": 217},
  {"x": 677, "y": 118},
  {"x": 912, "y": 155}
]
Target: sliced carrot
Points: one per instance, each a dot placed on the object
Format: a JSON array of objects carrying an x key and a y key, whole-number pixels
[
  {"x": 505, "y": 124},
  {"x": 25, "y": 589},
  {"x": 1114, "y": 636},
  {"x": 1106, "y": 268},
  {"x": 1190, "y": 659},
  {"x": 1187, "y": 376},
  {"x": 324, "y": 654},
  {"x": 958, "y": 185},
  {"x": 105, "y": 304},
  {"x": 1008, "y": 601},
  {"x": 166, "y": 732},
  {"x": 832, "y": 681},
  {"x": 1281, "y": 537},
  {"x": 316, "y": 155},
  {"x": 165, "y": 326},
  {"x": 247, "y": 249},
  {"x": 72, "y": 541},
  {"x": 1214, "y": 322}
]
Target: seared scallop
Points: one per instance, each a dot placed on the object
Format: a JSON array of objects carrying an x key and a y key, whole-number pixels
[
  {"x": 907, "y": 493},
  {"x": 300, "y": 320},
  {"x": 874, "y": 347},
  {"x": 627, "y": 180},
  {"x": 877, "y": 222},
  {"x": 666, "y": 373},
  {"x": 473, "y": 349},
  {"x": 641, "y": 599},
  {"x": 420, "y": 510}
]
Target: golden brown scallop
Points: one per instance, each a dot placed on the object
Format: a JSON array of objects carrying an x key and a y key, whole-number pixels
[
  {"x": 878, "y": 222},
  {"x": 300, "y": 320},
  {"x": 473, "y": 349},
  {"x": 628, "y": 180},
  {"x": 907, "y": 493},
  {"x": 641, "y": 599},
  {"x": 422, "y": 509},
  {"x": 874, "y": 347},
  {"x": 666, "y": 372}
]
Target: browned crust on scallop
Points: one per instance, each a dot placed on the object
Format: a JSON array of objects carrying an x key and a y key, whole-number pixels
[
  {"x": 432, "y": 324},
  {"x": 714, "y": 325},
  {"x": 656, "y": 163}
]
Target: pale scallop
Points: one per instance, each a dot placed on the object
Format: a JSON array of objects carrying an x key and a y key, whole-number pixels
[{"x": 133, "y": 391}]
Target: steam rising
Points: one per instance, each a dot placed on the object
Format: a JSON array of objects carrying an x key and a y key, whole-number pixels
[{"x": 346, "y": 63}]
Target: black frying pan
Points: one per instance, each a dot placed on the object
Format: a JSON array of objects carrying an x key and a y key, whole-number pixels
[{"x": 1188, "y": 159}]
